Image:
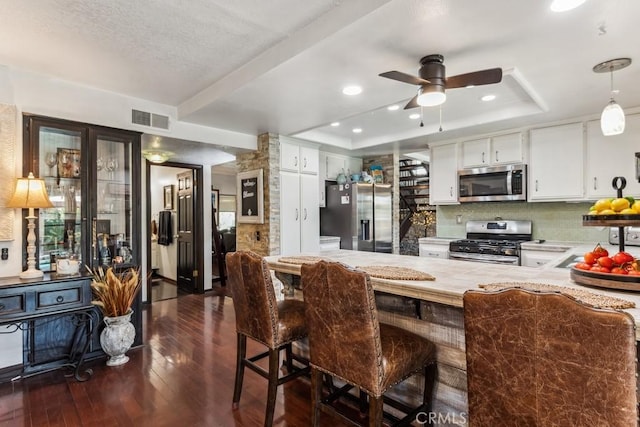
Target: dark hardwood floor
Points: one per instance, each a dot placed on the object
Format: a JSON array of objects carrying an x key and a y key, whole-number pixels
[{"x": 182, "y": 376}]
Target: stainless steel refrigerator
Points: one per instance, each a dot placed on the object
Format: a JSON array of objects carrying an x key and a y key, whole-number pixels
[{"x": 360, "y": 214}]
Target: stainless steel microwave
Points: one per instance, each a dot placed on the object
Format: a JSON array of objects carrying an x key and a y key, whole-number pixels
[{"x": 493, "y": 184}]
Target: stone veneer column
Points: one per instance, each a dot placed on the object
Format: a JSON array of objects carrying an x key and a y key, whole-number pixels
[{"x": 267, "y": 158}]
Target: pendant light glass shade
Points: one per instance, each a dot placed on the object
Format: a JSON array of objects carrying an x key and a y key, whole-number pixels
[{"x": 612, "y": 120}]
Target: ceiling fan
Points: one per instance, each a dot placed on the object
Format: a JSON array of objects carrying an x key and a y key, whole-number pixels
[{"x": 433, "y": 81}]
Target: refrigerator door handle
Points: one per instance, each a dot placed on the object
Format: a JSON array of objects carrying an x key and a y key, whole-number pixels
[{"x": 364, "y": 224}]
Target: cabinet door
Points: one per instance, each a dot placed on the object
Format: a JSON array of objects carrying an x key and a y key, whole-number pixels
[
  {"x": 537, "y": 258},
  {"x": 309, "y": 158},
  {"x": 59, "y": 155},
  {"x": 612, "y": 156},
  {"x": 289, "y": 156},
  {"x": 310, "y": 214},
  {"x": 116, "y": 212},
  {"x": 335, "y": 165},
  {"x": 354, "y": 165},
  {"x": 443, "y": 174},
  {"x": 475, "y": 153},
  {"x": 506, "y": 149},
  {"x": 289, "y": 213},
  {"x": 434, "y": 251},
  {"x": 556, "y": 167}
]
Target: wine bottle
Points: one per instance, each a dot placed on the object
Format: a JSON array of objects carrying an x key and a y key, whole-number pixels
[{"x": 105, "y": 253}]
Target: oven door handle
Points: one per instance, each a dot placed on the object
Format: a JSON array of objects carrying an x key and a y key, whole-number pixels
[{"x": 485, "y": 260}]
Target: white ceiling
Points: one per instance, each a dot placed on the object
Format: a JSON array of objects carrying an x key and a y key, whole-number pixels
[{"x": 255, "y": 66}]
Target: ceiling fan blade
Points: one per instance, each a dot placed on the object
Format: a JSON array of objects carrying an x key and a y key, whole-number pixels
[
  {"x": 413, "y": 103},
  {"x": 405, "y": 78},
  {"x": 476, "y": 78}
]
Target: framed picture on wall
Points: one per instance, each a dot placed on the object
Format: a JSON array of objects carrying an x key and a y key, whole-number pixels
[
  {"x": 168, "y": 197},
  {"x": 250, "y": 197},
  {"x": 215, "y": 204}
]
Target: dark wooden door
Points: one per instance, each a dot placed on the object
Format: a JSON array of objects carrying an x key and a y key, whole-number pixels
[{"x": 186, "y": 250}]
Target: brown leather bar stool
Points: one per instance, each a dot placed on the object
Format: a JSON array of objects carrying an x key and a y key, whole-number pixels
[
  {"x": 275, "y": 324},
  {"x": 347, "y": 342},
  {"x": 543, "y": 359}
]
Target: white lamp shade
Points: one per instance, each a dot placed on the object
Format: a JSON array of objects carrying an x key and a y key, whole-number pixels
[
  {"x": 430, "y": 96},
  {"x": 612, "y": 120}
]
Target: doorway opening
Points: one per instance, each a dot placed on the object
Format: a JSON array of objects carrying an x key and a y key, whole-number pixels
[{"x": 175, "y": 225}]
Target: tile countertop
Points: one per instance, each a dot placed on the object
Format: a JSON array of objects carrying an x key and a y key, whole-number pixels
[{"x": 453, "y": 278}]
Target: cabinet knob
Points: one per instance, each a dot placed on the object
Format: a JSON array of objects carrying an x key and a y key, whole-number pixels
[
  {"x": 296, "y": 214},
  {"x": 497, "y": 158},
  {"x": 595, "y": 182},
  {"x": 295, "y": 160},
  {"x": 59, "y": 298},
  {"x": 483, "y": 157}
]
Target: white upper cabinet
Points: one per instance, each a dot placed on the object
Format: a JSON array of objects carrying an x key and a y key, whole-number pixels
[
  {"x": 497, "y": 150},
  {"x": 298, "y": 158},
  {"x": 476, "y": 153},
  {"x": 612, "y": 156},
  {"x": 443, "y": 174},
  {"x": 556, "y": 167},
  {"x": 507, "y": 149}
]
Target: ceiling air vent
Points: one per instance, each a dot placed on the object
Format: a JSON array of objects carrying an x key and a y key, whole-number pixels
[
  {"x": 140, "y": 117},
  {"x": 146, "y": 118}
]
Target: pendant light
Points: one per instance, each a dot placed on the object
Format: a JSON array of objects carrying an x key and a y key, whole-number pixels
[{"x": 612, "y": 120}]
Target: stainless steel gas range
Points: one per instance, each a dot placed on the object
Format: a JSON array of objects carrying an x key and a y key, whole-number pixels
[{"x": 495, "y": 241}]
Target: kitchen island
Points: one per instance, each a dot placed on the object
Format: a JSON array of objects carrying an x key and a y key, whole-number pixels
[{"x": 433, "y": 309}]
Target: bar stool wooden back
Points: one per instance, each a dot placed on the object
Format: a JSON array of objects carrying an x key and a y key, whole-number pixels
[
  {"x": 347, "y": 342},
  {"x": 542, "y": 359},
  {"x": 259, "y": 316}
]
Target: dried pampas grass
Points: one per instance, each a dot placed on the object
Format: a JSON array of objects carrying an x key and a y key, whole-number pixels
[{"x": 114, "y": 292}]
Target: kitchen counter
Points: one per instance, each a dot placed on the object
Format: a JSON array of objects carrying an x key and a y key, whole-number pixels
[
  {"x": 453, "y": 278},
  {"x": 433, "y": 309}
]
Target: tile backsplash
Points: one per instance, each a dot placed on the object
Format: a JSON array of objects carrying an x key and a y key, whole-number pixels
[{"x": 551, "y": 221}]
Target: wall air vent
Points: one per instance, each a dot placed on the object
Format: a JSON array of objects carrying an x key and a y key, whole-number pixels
[
  {"x": 141, "y": 117},
  {"x": 146, "y": 118},
  {"x": 159, "y": 121}
]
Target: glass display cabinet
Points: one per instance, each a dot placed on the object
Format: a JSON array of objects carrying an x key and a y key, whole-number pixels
[{"x": 93, "y": 180}]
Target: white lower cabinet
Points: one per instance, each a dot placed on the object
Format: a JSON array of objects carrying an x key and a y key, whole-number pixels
[
  {"x": 434, "y": 250},
  {"x": 537, "y": 258},
  {"x": 299, "y": 213}
]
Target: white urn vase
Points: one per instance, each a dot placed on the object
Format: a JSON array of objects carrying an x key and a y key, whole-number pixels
[{"x": 117, "y": 337}]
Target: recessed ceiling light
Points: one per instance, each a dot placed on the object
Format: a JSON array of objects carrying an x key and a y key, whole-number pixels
[
  {"x": 393, "y": 107},
  {"x": 335, "y": 124},
  {"x": 488, "y": 98},
  {"x": 352, "y": 90},
  {"x": 357, "y": 130},
  {"x": 414, "y": 116},
  {"x": 565, "y": 5}
]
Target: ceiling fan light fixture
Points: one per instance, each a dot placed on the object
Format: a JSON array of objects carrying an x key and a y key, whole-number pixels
[
  {"x": 430, "y": 96},
  {"x": 565, "y": 5},
  {"x": 157, "y": 156},
  {"x": 612, "y": 120}
]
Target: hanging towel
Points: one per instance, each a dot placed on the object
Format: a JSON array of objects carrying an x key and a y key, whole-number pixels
[{"x": 165, "y": 229}]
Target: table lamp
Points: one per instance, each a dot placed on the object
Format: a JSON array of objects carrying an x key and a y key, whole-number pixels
[{"x": 30, "y": 193}]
